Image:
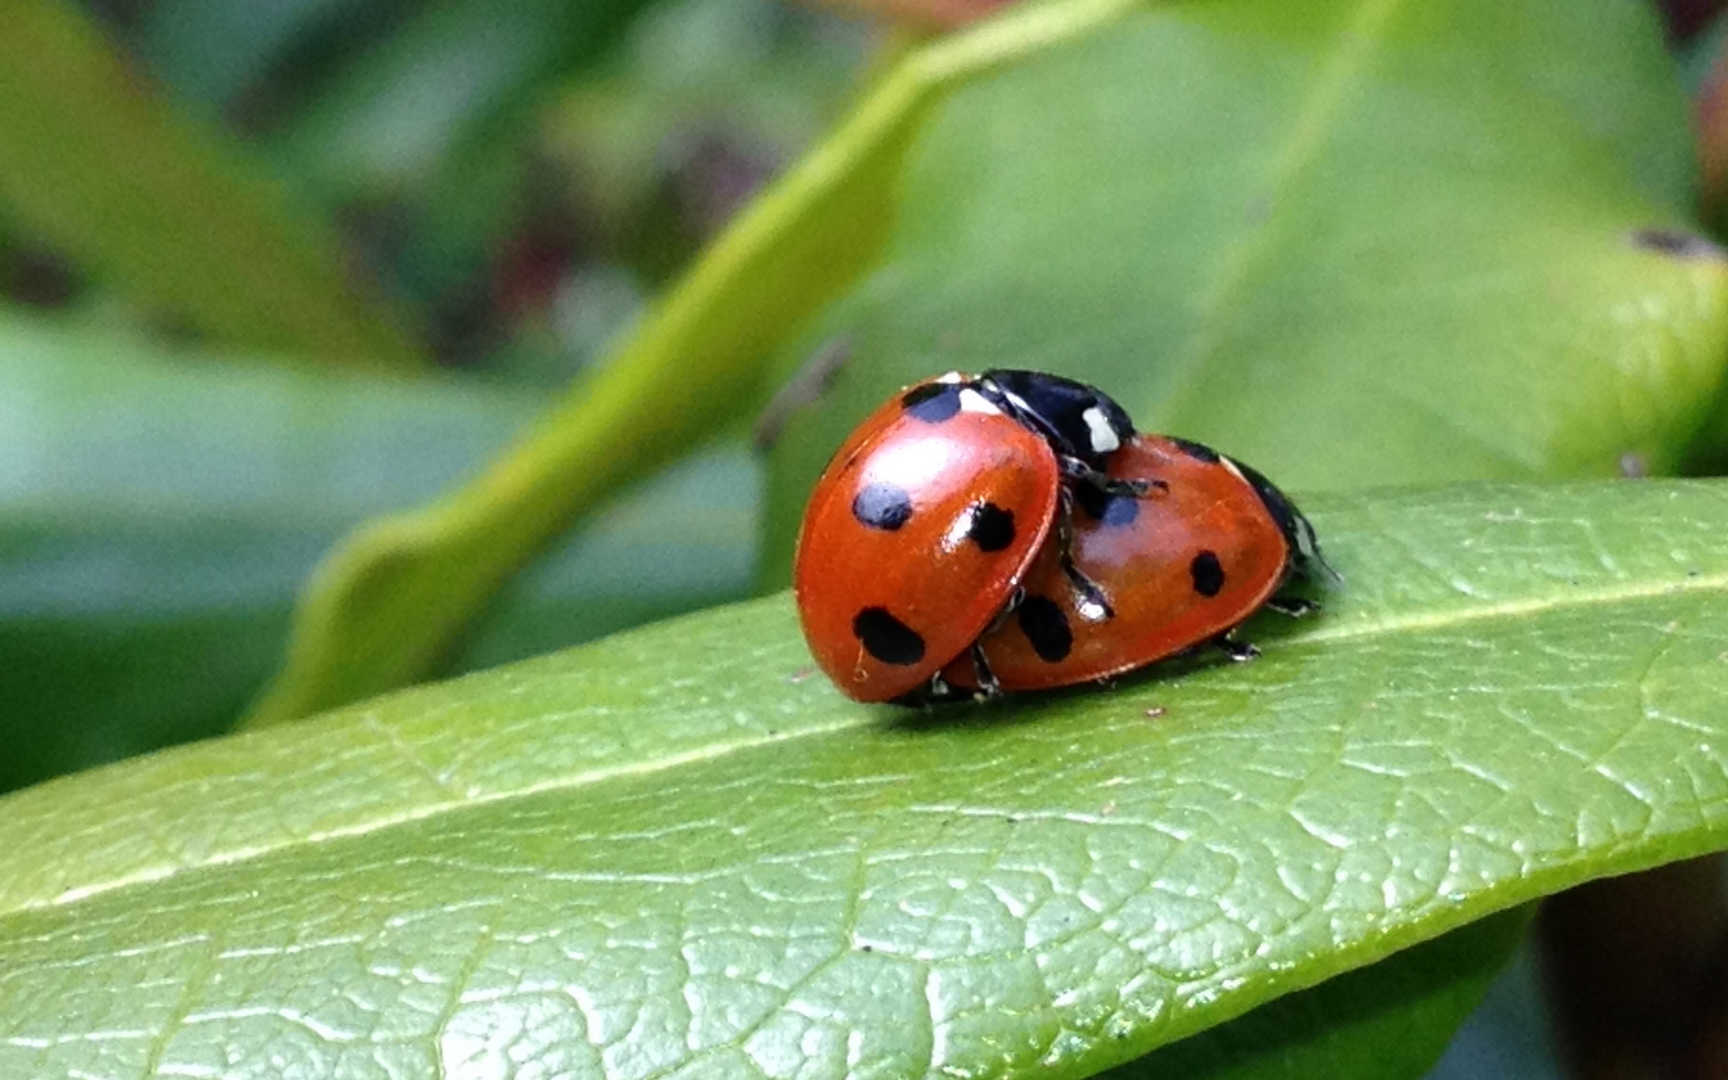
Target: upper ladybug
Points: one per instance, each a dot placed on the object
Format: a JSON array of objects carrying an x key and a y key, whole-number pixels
[{"x": 931, "y": 512}]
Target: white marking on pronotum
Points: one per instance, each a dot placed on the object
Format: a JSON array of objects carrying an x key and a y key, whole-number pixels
[
  {"x": 950, "y": 377},
  {"x": 972, "y": 401},
  {"x": 1098, "y": 429},
  {"x": 1015, "y": 399}
]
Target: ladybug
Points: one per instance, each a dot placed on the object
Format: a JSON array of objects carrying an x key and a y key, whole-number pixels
[
  {"x": 928, "y": 517},
  {"x": 1217, "y": 545}
]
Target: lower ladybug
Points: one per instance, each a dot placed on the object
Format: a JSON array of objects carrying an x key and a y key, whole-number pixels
[
  {"x": 929, "y": 515},
  {"x": 1215, "y": 544}
]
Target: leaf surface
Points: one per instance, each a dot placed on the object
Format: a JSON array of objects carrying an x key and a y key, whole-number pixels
[{"x": 677, "y": 852}]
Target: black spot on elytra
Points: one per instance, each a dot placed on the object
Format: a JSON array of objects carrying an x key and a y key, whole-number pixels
[
  {"x": 992, "y": 527},
  {"x": 882, "y": 506},
  {"x": 887, "y": 638},
  {"x": 1197, "y": 451},
  {"x": 1208, "y": 574},
  {"x": 1105, "y": 508},
  {"x": 1044, "y": 625},
  {"x": 933, "y": 402}
]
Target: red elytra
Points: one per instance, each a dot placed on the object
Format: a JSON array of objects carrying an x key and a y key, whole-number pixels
[
  {"x": 917, "y": 535},
  {"x": 1177, "y": 568}
]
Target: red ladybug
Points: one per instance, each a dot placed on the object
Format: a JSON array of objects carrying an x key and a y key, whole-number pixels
[
  {"x": 927, "y": 518},
  {"x": 1214, "y": 546}
]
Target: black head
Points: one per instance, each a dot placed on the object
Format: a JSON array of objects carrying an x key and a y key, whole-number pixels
[{"x": 1079, "y": 420}]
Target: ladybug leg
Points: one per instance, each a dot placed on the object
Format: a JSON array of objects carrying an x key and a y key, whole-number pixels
[
  {"x": 1093, "y": 604},
  {"x": 988, "y": 687},
  {"x": 1136, "y": 489},
  {"x": 1238, "y": 651},
  {"x": 934, "y": 692},
  {"x": 1077, "y": 471},
  {"x": 1015, "y": 599},
  {"x": 1294, "y": 606}
]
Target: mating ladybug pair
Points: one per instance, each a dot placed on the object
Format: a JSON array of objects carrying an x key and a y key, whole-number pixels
[{"x": 1012, "y": 531}]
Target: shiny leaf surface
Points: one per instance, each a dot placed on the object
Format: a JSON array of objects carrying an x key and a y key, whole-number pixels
[{"x": 675, "y": 852}]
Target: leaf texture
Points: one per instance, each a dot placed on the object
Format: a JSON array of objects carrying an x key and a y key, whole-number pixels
[{"x": 678, "y": 852}]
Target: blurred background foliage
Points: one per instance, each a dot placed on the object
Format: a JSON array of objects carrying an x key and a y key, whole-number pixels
[
  {"x": 271, "y": 270},
  {"x": 507, "y": 189}
]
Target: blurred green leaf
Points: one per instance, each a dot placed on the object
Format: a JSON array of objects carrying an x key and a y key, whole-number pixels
[
  {"x": 1707, "y": 80},
  {"x": 1353, "y": 243},
  {"x": 101, "y": 167},
  {"x": 1697, "y": 55},
  {"x": 1703, "y": 63},
  {"x": 447, "y": 74},
  {"x": 437, "y": 125},
  {"x": 1388, "y": 1020},
  {"x": 675, "y": 852},
  {"x": 384, "y": 605},
  {"x": 657, "y": 147},
  {"x": 751, "y": 72},
  {"x": 211, "y": 50},
  {"x": 156, "y": 519}
]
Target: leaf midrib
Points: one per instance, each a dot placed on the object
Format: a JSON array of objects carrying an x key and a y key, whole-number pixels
[
  {"x": 1413, "y": 623},
  {"x": 1419, "y": 622}
]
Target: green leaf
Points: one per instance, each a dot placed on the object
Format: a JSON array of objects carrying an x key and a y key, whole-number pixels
[
  {"x": 440, "y": 118},
  {"x": 101, "y": 167},
  {"x": 157, "y": 518},
  {"x": 676, "y": 852},
  {"x": 209, "y": 51},
  {"x": 641, "y": 136},
  {"x": 401, "y": 108},
  {"x": 1354, "y": 242}
]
